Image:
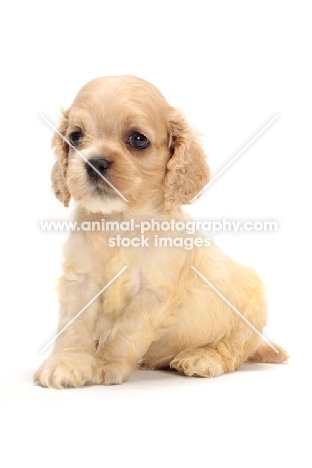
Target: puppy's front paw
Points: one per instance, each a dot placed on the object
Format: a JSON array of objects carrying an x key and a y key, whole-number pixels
[
  {"x": 66, "y": 369},
  {"x": 110, "y": 373}
]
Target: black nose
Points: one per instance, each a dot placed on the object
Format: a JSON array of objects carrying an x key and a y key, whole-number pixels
[{"x": 96, "y": 166}]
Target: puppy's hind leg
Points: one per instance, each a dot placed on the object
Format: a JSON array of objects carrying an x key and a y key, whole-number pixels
[{"x": 213, "y": 360}]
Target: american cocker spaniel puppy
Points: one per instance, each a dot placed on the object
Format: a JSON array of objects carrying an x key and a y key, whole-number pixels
[{"x": 137, "y": 162}]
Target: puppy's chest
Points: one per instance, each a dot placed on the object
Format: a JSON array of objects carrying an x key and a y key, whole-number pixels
[
  {"x": 147, "y": 267},
  {"x": 117, "y": 254}
]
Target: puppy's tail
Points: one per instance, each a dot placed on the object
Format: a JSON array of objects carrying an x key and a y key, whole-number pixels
[{"x": 265, "y": 353}]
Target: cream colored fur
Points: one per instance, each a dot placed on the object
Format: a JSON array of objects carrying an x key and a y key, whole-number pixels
[{"x": 158, "y": 313}]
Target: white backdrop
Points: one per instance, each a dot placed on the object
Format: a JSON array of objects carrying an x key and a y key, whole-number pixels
[{"x": 231, "y": 67}]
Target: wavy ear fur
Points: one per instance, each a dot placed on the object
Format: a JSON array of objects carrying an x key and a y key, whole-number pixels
[
  {"x": 187, "y": 170},
  {"x": 59, "y": 170}
]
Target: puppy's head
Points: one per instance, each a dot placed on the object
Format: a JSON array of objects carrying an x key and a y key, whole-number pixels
[{"x": 125, "y": 147}]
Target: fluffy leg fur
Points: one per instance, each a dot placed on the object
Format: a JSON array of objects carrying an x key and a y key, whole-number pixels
[
  {"x": 72, "y": 362},
  {"x": 120, "y": 350}
]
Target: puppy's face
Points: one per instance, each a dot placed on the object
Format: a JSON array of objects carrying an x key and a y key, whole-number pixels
[{"x": 128, "y": 149}]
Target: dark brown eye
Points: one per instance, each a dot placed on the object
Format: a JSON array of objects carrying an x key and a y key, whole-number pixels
[
  {"x": 75, "y": 138},
  {"x": 138, "y": 141}
]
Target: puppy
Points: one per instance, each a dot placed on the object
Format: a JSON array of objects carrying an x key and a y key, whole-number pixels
[{"x": 130, "y": 304}]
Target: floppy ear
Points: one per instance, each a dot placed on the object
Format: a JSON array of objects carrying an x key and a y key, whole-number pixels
[
  {"x": 59, "y": 170},
  {"x": 187, "y": 170}
]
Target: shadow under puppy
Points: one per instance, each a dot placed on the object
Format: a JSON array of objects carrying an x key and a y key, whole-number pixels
[{"x": 158, "y": 312}]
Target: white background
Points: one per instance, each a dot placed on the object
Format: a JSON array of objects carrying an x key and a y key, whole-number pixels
[{"x": 230, "y": 66}]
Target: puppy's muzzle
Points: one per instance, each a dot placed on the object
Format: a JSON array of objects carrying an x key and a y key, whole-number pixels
[{"x": 97, "y": 167}]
